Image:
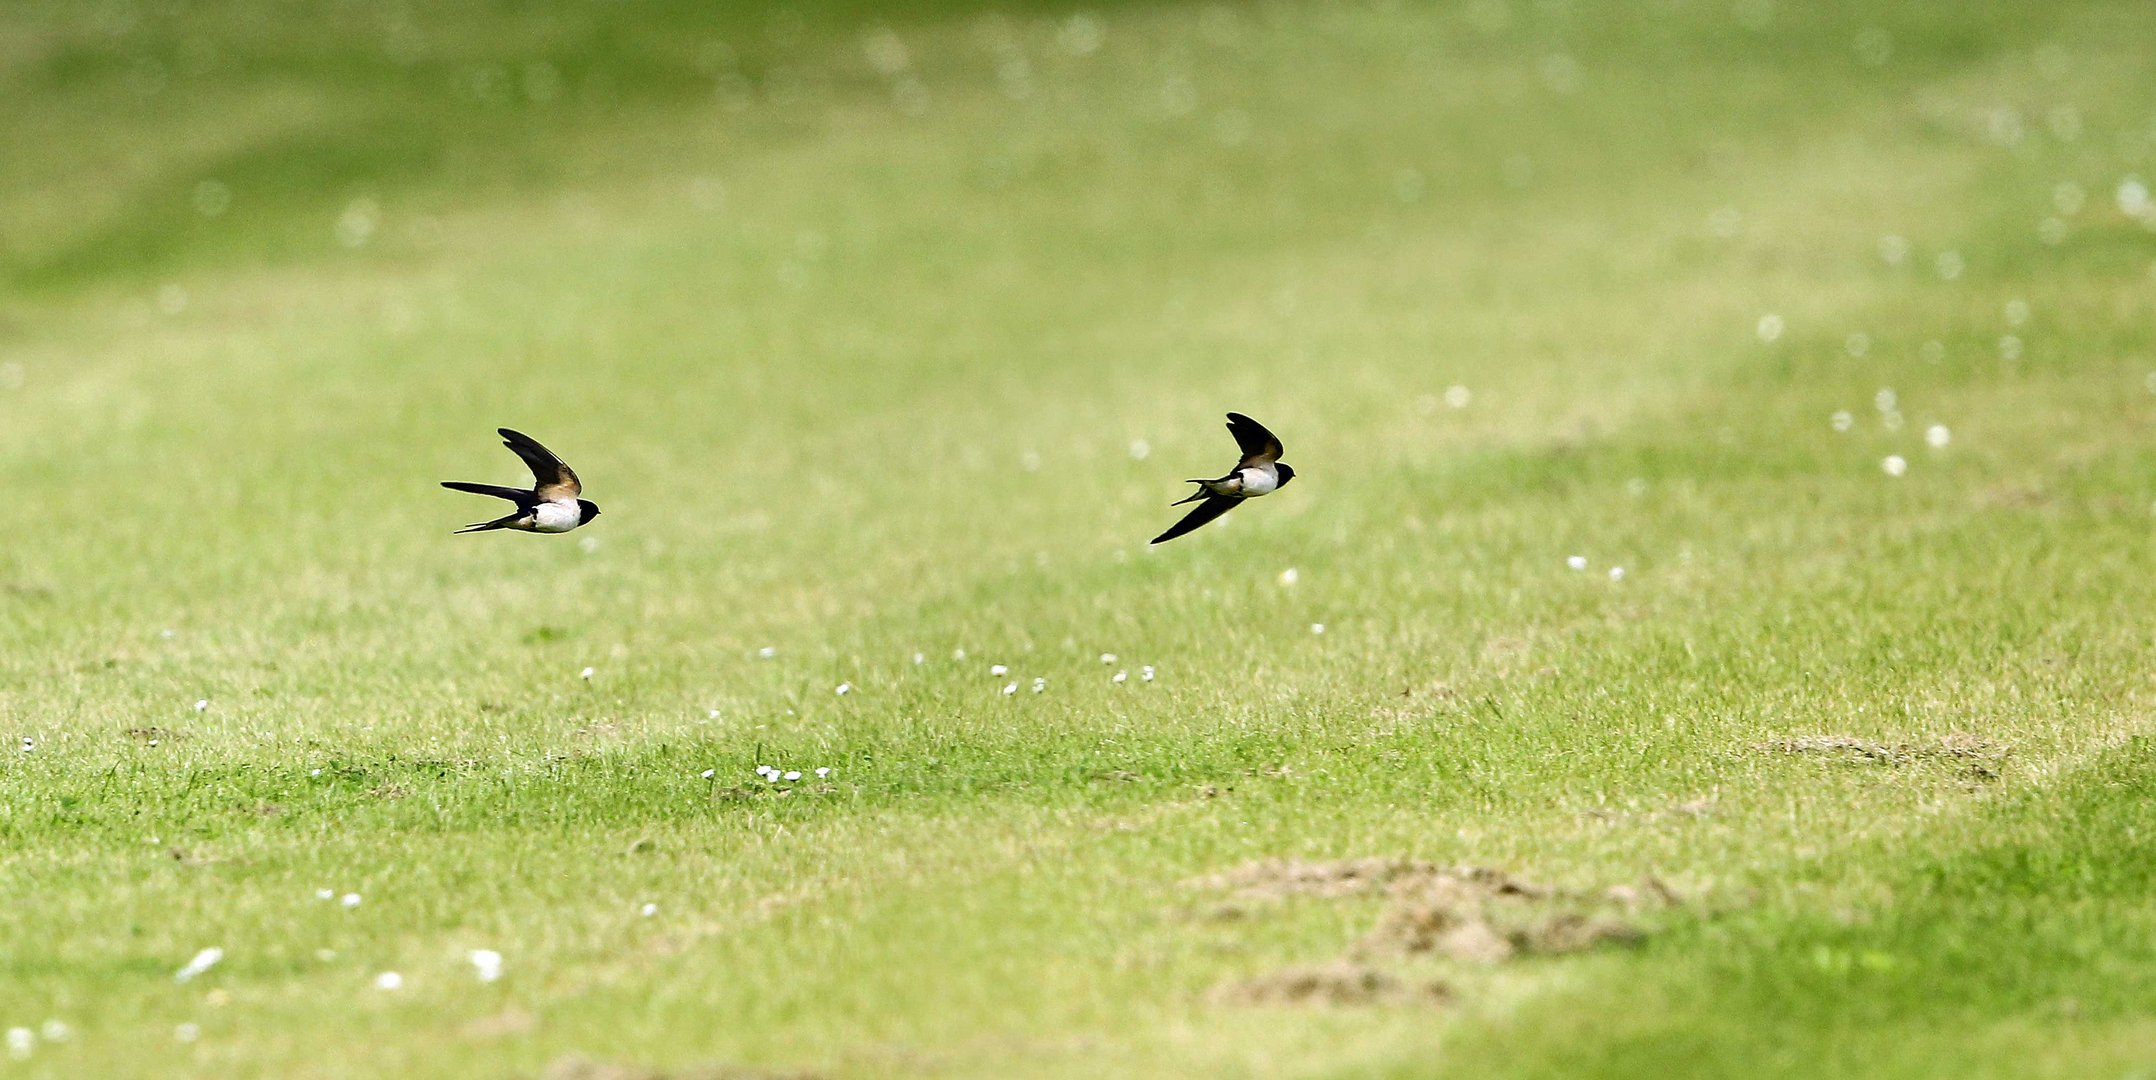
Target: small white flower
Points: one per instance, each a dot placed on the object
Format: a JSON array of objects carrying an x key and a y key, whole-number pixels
[
  {"x": 998, "y": 670},
  {"x": 1458, "y": 396},
  {"x": 1317, "y": 628},
  {"x": 389, "y": 980},
  {"x": 1039, "y": 684},
  {"x": 586, "y": 673},
  {"x": 187, "y": 1032},
  {"x": 823, "y": 771},
  {"x": 1119, "y": 676},
  {"x": 767, "y": 652},
  {"x": 1146, "y": 673},
  {"x": 1009, "y": 689},
  {"x": 1616, "y": 573},
  {"x": 762, "y": 770},
  {"x": 844, "y": 689},
  {"x": 2017, "y": 312},
  {"x": 55, "y": 1031},
  {"x": 709, "y": 773},
  {"x": 203, "y": 961},
  {"x": 310, "y": 772},
  {"x": 1885, "y": 400},
  {"x": 20, "y": 1041},
  {"x": 202, "y": 705},
  {"x": 1842, "y": 421},
  {"x": 919, "y": 659},
  {"x": 2009, "y": 348},
  {"x": 28, "y": 744},
  {"x": 1140, "y": 449},
  {"x": 793, "y": 774},
  {"x": 1895, "y": 465},
  {"x": 1107, "y": 658},
  {"x": 1770, "y": 327},
  {"x": 325, "y": 894},
  {"x": 648, "y": 910},
  {"x": 1893, "y": 249},
  {"x": 487, "y": 964},
  {"x": 1288, "y": 576},
  {"x": 711, "y": 714},
  {"x": 1937, "y": 436},
  {"x": 351, "y": 900},
  {"x": 1576, "y": 562},
  {"x": 958, "y": 654}
]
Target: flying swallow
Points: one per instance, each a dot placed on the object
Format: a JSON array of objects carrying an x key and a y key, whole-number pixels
[
  {"x": 1261, "y": 472},
  {"x": 551, "y": 506}
]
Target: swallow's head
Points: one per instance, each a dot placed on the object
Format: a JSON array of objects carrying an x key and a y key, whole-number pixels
[
  {"x": 1286, "y": 471},
  {"x": 587, "y": 509}
]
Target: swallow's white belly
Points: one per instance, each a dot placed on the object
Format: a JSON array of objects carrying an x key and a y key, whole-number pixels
[
  {"x": 1259, "y": 482},
  {"x": 555, "y": 517}
]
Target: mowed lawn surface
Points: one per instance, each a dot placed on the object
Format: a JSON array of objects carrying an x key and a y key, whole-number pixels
[{"x": 1823, "y": 333}]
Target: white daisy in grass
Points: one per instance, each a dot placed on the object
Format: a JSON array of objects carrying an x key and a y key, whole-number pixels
[
  {"x": 843, "y": 689},
  {"x": 203, "y": 961},
  {"x": 823, "y": 772},
  {"x": 1289, "y": 576},
  {"x": 793, "y": 774},
  {"x": 999, "y": 670},
  {"x": 1895, "y": 465},
  {"x": 1616, "y": 573},
  {"x": 55, "y": 1031},
  {"x": 20, "y": 1042},
  {"x": 1039, "y": 684},
  {"x": 648, "y": 910},
  {"x": 187, "y": 1033},
  {"x": 1317, "y": 628},
  {"x": 350, "y": 900},
  {"x": 1146, "y": 673},
  {"x": 202, "y": 705},
  {"x": 767, "y": 652},
  {"x": 389, "y": 980},
  {"x": 1576, "y": 562},
  {"x": 587, "y": 673},
  {"x": 1937, "y": 436},
  {"x": 1107, "y": 658},
  {"x": 1009, "y": 689},
  {"x": 1120, "y": 676},
  {"x": 708, "y": 773},
  {"x": 486, "y": 963}
]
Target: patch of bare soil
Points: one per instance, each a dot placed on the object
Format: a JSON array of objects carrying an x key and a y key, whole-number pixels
[
  {"x": 1342, "y": 982},
  {"x": 1477, "y": 915},
  {"x": 1276, "y": 878},
  {"x": 581, "y": 1068},
  {"x": 1955, "y": 747},
  {"x": 1467, "y": 915}
]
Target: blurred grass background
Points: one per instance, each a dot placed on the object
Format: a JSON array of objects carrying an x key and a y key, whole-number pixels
[{"x": 884, "y": 332}]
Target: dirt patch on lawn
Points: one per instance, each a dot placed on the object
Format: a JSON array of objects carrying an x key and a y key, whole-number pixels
[
  {"x": 1274, "y": 879},
  {"x": 1342, "y": 982},
  {"x": 1457, "y": 917},
  {"x": 580, "y": 1068},
  {"x": 1477, "y": 915},
  {"x": 1955, "y": 747}
]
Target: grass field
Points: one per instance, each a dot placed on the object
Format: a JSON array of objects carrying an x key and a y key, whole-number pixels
[{"x": 1824, "y": 332}]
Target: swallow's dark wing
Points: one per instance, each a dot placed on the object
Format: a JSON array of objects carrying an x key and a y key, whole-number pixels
[
  {"x": 1212, "y": 507},
  {"x": 1259, "y": 446},
  {"x": 519, "y": 496},
  {"x": 551, "y": 479}
]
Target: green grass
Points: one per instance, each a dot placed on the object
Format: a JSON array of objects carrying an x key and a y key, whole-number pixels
[{"x": 855, "y": 359}]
